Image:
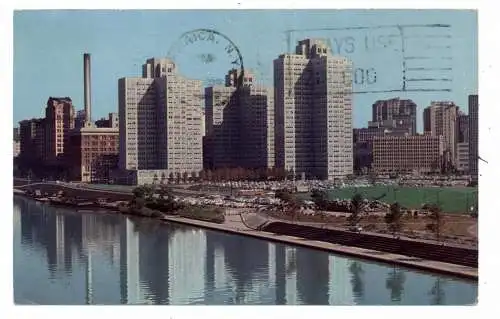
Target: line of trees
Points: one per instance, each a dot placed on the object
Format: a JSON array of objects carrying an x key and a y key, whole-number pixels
[
  {"x": 393, "y": 218},
  {"x": 225, "y": 175}
]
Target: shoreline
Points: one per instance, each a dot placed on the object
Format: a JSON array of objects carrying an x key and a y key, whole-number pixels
[{"x": 362, "y": 253}]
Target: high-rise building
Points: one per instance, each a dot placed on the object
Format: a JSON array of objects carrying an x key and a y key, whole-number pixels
[
  {"x": 402, "y": 112},
  {"x": 32, "y": 139},
  {"x": 473, "y": 136},
  {"x": 463, "y": 127},
  {"x": 221, "y": 126},
  {"x": 441, "y": 119},
  {"x": 80, "y": 119},
  {"x": 59, "y": 120},
  {"x": 111, "y": 121},
  {"x": 407, "y": 154},
  {"x": 239, "y": 123},
  {"x": 160, "y": 122},
  {"x": 313, "y": 112}
]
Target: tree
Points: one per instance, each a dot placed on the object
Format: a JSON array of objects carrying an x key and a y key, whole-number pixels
[
  {"x": 203, "y": 175},
  {"x": 155, "y": 179},
  {"x": 193, "y": 175},
  {"x": 171, "y": 177},
  {"x": 138, "y": 192},
  {"x": 393, "y": 218},
  {"x": 320, "y": 198},
  {"x": 284, "y": 195},
  {"x": 162, "y": 180},
  {"x": 178, "y": 177},
  {"x": 372, "y": 177},
  {"x": 185, "y": 176},
  {"x": 356, "y": 209},
  {"x": 437, "y": 220},
  {"x": 209, "y": 175}
]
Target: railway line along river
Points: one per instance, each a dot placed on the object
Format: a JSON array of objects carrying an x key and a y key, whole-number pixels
[{"x": 66, "y": 257}]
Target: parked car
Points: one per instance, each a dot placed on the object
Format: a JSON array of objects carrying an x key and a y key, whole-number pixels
[{"x": 356, "y": 229}]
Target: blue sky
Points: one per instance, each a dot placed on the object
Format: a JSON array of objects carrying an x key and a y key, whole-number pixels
[{"x": 49, "y": 47}]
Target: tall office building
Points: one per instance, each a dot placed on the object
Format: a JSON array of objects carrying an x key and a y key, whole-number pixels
[
  {"x": 160, "y": 122},
  {"x": 313, "y": 112},
  {"x": 32, "y": 139},
  {"x": 239, "y": 123},
  {"x": 463, "y": 127},
  {"x": 59, "y": 121},
  {"x": 441, "y": 118},
  {"x": 473, "y": 136},
  {"x": 402, "y": 112}
]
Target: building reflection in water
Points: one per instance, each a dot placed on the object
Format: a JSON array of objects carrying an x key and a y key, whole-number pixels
[
  {"x": 395, "y": 283},
  {"x": 137, "y": 261}
]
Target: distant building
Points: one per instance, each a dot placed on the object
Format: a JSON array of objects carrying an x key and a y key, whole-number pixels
[
  {"x": 16, "y": 148},
  {"x": 463, "y": 128},
  {"x": 110, "y": 122},
  {"x": 32, "y": 139},
  {"x": 80, "y": 119},
  {"x": 441, "y": 119},
  {"x": 463, "y": 157},
  {"x": 363, "y": 142},
  {"x": 59, "y": 121},
  {"x": 15, "y": 134},
  {"x": 402, "y": 112},
  {"x": 473, "y": 136},
  {"x": 160, "y": 121},
  {"x": 313, "y": 112},
  {"x": 17, "y": 142},
  {"x": 408, "y": 154}
]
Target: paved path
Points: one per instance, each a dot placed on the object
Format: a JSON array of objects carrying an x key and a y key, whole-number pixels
[{"x": 473, "y": 230}]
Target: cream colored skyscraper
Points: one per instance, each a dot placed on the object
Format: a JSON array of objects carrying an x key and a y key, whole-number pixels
[
  {"x": 313, "y": 110},
  {"x": 160, "y": 118},
  {"x": 441, "y": 119},
  {"x": 240, "y": 123}
]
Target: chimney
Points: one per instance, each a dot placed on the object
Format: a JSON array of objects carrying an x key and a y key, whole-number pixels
[{"x": 86, "y": 86}]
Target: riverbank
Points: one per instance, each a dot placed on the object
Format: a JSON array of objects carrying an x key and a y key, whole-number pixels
[{"x": 235, "y": 225}]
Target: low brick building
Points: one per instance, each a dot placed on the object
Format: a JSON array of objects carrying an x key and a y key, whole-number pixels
[{"x": 93, "y": 153}]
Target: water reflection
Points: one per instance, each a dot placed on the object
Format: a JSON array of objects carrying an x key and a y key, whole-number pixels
[
  {"x": 395, "y": 283},
  {"x": 65, "y": 257}
]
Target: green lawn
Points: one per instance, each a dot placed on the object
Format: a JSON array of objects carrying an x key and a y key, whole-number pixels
[{"x": 452, "y": 200}]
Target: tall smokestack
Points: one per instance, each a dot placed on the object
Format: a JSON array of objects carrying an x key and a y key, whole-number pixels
[{"x": 86, "y": 86}]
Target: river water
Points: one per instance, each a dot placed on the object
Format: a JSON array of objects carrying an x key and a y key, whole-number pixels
[{"x": 66, "y": 257}]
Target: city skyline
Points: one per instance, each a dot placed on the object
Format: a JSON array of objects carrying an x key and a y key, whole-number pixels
[{"x": 101, "y": 37}]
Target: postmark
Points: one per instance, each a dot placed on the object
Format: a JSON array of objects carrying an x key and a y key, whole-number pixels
[
  {"x": 207, "y": 55},
  {"x": 390, "y": 58}
]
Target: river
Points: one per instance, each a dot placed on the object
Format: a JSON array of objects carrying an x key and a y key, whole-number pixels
[{"x": 64, "y": 257}]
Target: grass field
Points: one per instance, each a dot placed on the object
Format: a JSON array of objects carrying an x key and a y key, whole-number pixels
[{"x": 451, "y": 200}]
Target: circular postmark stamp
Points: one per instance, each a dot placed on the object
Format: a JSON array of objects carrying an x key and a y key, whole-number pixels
[{"x": 209, "y": 56}]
